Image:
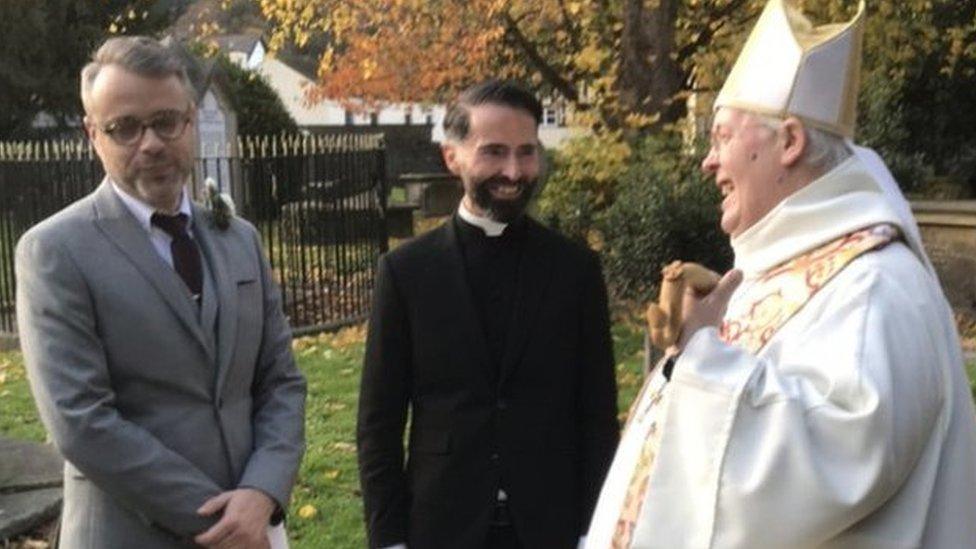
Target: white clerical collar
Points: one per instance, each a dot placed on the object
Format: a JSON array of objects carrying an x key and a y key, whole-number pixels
[
  {"x": 840, "y": 202},
  {"x": 489, "y": 226},
  {"x": 143, "y": 212}
]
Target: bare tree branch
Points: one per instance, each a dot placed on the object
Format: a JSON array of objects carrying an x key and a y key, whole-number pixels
[
  {"x": 706, "y": 35},
  {"x": 549, "y": 73}
]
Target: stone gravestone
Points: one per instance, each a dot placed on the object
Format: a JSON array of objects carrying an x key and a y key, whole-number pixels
[
  {"x": 949, "y": 234},
  {"x": 215, "y": 127},
  {"x": 30, "y": 486},
  {"x": 437, "y": 194}
]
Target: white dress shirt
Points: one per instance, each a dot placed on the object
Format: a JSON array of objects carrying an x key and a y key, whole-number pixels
[{"x": 143, "y": 213}]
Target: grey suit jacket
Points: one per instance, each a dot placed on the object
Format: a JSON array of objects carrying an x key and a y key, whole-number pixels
[{"x": 153, "y": 412}]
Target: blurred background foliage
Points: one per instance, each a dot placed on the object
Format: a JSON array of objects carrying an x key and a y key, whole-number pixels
[
  {"x": 647, "y": 205},
  {"x": 640, "y": 76}
]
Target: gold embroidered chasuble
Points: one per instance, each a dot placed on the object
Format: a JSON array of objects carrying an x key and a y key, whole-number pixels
[
  {"x": 794, "y": 444},
  {"x": 781, "y": 292}
]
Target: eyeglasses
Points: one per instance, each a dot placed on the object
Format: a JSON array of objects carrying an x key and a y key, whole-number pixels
[{"x": 129, "y": 130}]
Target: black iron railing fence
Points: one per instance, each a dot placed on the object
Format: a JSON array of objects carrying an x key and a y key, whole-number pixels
[{"x": 319, "y": 203}]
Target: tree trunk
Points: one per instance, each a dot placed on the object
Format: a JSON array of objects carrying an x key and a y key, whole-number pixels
[{"x": 650, "y": 76}]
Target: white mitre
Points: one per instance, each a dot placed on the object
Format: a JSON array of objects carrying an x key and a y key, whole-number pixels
[{"x": 788, "y": 67}]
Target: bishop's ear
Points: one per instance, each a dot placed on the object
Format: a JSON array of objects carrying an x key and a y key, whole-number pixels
[{"x": 794, "y": 141}]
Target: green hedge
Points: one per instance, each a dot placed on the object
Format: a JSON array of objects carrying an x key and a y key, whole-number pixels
[
  {"x": 665, "y": 209},
  {"x": 582, "y": 183},
  {"x": 646, "y": 206}
]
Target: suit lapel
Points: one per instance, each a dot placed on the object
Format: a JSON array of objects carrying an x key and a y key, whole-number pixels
[
  {"x": 535, "y": 268},
  {"x": 213, "y": 246},
  {"x": 122, "y": 229},
  {"x": 454, "y": 292}
]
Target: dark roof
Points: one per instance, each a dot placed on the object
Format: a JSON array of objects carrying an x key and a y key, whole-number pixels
[{"x": 202, "y": 72}]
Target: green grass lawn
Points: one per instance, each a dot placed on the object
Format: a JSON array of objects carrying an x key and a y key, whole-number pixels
[
  {"x": 971, "y": 370},
  {"x": 326, "y": 509},
  {"x": 18, "y": 417}
]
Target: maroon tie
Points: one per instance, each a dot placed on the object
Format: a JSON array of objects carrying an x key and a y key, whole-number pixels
[{"x": 186, "y": 255}]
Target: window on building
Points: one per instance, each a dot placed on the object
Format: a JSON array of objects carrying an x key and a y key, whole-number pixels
[
  {"x": 408, "y": 117},
  {"x": 550, "y": 116},
  {"x": 350, "y": 118},
  {"x": 374, "y": 119}
]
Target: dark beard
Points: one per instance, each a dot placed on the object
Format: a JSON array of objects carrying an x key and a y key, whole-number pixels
[{"x": 501, "y": 210}]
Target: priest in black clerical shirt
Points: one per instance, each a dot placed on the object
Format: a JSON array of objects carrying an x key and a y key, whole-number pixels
[
  {"x": 491, "y": 334},
  {"x": 491, "y": 266}
]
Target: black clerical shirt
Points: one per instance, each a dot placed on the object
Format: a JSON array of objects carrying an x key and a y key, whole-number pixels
[{"x": 492, "y": 267}]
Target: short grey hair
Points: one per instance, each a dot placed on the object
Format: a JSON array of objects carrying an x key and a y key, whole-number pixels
[
  {"x": 137, "y": 54},
  {"x": 824, "y": 151}
]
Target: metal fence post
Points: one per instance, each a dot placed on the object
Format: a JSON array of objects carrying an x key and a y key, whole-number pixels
[{"x": 318, "y": 202}]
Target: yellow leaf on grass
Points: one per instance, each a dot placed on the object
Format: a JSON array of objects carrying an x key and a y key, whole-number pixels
[
  {"x": 335, "y": 406},
  {"x": 344, "y": 447},
  {"x": 332, "y": 475},
  {"x": 307, "y": 511}
]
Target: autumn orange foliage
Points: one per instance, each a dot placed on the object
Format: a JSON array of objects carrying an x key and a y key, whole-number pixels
[
  {"x": 621, "y": 64},
  {"x": 425, "y": 50}
]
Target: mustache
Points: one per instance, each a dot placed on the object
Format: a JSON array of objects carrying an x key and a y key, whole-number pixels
[
  {"x": 501, "y": 209},
  {"x": 505, "y": 180}
]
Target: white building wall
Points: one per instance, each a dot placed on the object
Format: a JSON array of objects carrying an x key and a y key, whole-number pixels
[
  {"x": 553, "y": 136},
  {"x": 392, "y": 114},
  {"x": 249, "y": 60},
  {"x": 256, "y": 58},
  {"x": 290, "y": 85}
]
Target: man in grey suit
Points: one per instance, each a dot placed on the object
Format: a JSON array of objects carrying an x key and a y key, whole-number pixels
[{"x": 153, "y": 335}]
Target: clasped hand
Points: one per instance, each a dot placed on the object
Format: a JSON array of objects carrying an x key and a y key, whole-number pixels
[
  {"x": 704, "y": 310},
  {"x": 244, "y": 522}
]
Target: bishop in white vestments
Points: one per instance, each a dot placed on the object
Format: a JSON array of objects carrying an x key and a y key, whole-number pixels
[{"x": 816, "y": 398}]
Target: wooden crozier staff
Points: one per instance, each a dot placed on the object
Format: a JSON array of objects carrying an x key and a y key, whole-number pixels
[{"x": 664, "y": 317}]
